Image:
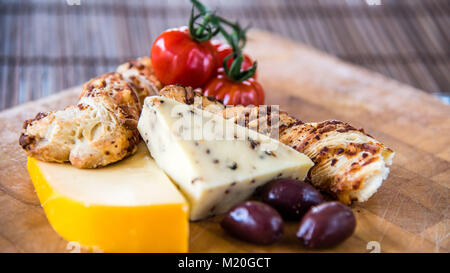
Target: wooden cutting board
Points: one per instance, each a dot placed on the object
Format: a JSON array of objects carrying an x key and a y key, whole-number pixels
[{"x": 409, "y": 213}]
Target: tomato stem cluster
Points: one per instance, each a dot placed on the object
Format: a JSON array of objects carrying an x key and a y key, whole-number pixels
[
  {"x": 207, "y": 28},
  {"x": 211, "y": 25}
]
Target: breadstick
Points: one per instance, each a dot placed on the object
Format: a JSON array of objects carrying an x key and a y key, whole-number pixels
[
  {"x": 101, "y": 128},
  {"x": 349, "y": 164}
]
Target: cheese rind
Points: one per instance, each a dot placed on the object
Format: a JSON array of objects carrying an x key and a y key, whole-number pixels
[
  {"x": 131, "y": 206},
  {"x": 215, "y": 162}
]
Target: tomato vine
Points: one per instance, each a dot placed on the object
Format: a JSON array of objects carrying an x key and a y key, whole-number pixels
[{"x": 204, "y": 25}]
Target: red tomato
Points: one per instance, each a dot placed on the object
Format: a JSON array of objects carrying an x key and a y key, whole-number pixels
[
  {"x": 223, "y": 50},
  {"x": 235, "y": 93},
  {"x": 179, "y": 59}
]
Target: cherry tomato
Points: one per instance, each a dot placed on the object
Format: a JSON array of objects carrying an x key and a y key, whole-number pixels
[
  {"x": 223, "y": 50},
  {"x": 179, "y": 59},
  {"x": 234, "y": 93}
]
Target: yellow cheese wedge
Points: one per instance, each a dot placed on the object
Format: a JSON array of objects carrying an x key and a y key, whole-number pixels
[{"x": 130, "y": 206}]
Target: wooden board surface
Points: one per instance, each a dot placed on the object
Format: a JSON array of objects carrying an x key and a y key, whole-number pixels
[{"x": 409, "y": 213}]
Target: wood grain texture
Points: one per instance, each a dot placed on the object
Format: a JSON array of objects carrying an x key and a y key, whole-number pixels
[{"x": 409, "y": 213}]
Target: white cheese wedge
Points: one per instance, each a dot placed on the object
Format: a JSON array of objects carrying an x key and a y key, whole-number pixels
[{"x": 216, "y": 163}]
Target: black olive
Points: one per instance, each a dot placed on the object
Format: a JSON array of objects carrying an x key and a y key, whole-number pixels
[
  {"x": 254, "y": 222},
  {"x": 291, "y": 198},
  {"x": 326, "y": 225}
]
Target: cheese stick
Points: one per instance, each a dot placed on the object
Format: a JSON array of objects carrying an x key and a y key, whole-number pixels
[
  {"x": 349, "y": 164},
  {"x": 102, "y": 128}
]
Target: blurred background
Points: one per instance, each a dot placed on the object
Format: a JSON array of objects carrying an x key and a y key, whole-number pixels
[{"x": 49, "y": 45}]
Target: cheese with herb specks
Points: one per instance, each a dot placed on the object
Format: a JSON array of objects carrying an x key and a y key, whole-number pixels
[{"x": 215, "y": 163}]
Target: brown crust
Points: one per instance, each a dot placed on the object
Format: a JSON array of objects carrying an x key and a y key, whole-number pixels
[
  {"x": 38, "y": 116},
  {"x": 190, "y": 96},
  {"x": 141, "y": 77},
  {"x": 26, "y": 141},
  {"x": 145, "y": 68},
  {"x": 111, "y": 85}
]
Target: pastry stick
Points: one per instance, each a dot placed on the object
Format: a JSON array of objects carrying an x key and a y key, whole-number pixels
[
  {"x": 101, "y": 128},
  {"x": 349, "y": 164}
]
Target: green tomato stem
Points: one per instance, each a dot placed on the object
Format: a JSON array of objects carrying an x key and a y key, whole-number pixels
[{"x": 212, "y": 25}]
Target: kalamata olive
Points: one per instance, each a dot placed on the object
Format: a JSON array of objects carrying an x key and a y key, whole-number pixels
[
  {"x": 326, "y": 225},
  {"x": 254, "y": 222},
  {"x": 291, "y": 198}
]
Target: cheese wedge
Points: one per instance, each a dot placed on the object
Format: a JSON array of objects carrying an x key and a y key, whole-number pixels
[
  {"x": 215, "y": 162},
  {"x": 130, "y": 206}
]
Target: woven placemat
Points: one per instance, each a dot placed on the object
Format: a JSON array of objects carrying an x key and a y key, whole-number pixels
[{"x": 47, "y": 46}]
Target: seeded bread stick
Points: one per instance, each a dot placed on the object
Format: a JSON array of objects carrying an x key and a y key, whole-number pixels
[
  {"x": 101, "y": 128},
  {"x": 349, "y": 164}
]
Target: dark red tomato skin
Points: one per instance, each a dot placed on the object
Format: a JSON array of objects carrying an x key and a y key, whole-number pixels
[
  {"x": 248, "y": 92},
  {"x": 178, "y": 59},
  {"x": 223, "y": 50}
]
